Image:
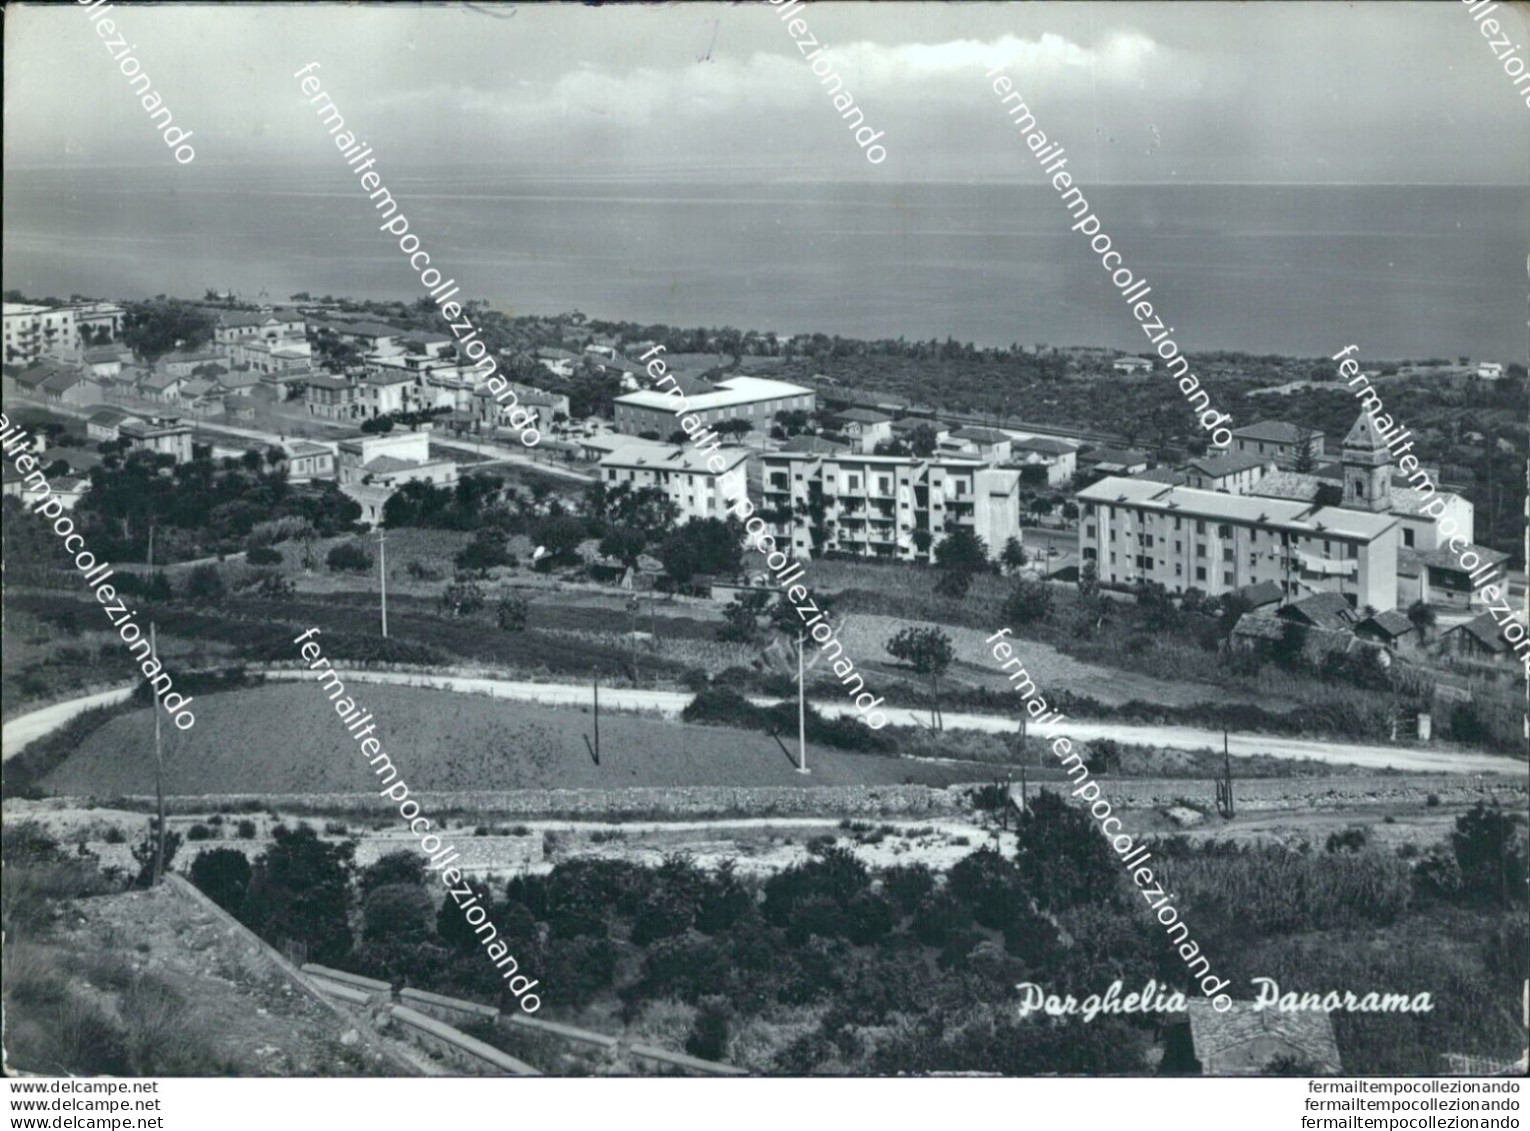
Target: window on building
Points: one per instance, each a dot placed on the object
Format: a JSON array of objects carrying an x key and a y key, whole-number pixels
[
  {"x": 1224, "y": 531},
  {"x": 1089, "y": 554},
  {"x": 1200, "y": 573},
  {"x": 1179, "y": 570},
  {"x": 1200, "y": 549},
  {"x": 855, "y": 483},
  {"x": 1112, "y": 558},
  {"x": 1200, "y": 527},
  {"x": 1407, "y": 536},
  {"x": 1176, "y": 522},
  {"x": 1147, "y": 540},
  {"x": 1227, "y": 577},
  {"x": 1327, "y": 547},
  {"x": 1227, "y": 554},
  {"x": 1089, "y": 531},
  {"x": 1112, "y": 533},
  {"x": 1352, "y": 551},
  {"x": 1179, "y": 547}
]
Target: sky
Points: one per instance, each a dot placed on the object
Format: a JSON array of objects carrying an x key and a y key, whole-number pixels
[{"x": 1292, "y": 92}]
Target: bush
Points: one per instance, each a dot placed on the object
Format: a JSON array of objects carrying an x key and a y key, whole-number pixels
[
  {"x": 263, "y": 556},
  {"x": 245, "y": 829},
  {"x": 511, "y": 613},
  {"x": 398, "y": 914},
  {"x": 708, "y": 1038},
  {"x": 200, "y": 831},
  {"x": 348, "y": 556}
]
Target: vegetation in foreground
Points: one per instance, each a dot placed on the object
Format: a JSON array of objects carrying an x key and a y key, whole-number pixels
[{"x": 828, "y": 967}]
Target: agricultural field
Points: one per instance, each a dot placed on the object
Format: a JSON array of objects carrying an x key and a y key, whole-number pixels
[{"x": 286, "y": 739}]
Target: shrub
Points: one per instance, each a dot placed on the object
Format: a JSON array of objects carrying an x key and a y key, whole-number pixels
[
  {"x": 1029, "y": 601},
  {"x": 348, "y": 556},
  {"x": 511, "y": 612},
  {"x": 263, "y": 556},
  {"x": 144, "y": 851},
  {"x": 708, "y": 1038},
  {"x": 114, "y": 835},
  {"x": 1350, "y": 840},
  {"x": 298, "y": 893},
  {"x": 245, "y": 829},
  {"x": 200, "y": 832}
]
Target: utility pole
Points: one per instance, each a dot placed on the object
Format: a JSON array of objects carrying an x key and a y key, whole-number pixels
[
  {"x": 595, "y": 750},
  {"x": 802, "y": 712},
  {"x": 382, "y": 572},
  {"x": 159, "y": 774}
]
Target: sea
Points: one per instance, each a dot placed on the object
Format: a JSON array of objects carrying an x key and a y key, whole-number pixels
[{"x": 1400, "y": 270}]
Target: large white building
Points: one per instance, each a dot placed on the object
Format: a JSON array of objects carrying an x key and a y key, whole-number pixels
[
  {"x": 886, "y": 506},
  {"x": 1183, "y": 538},
  {"x": 33, "y": 331},
  {"x": 755, "y": 399},
  {"x": 688, "y": 477}
]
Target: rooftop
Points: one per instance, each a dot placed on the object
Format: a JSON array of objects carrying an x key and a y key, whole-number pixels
[
  {"x": 1213, "y": 1033},
  {"x": 1229, "y": 464},
  {"x": 981, "y": 435},
  {"x": 862, "y": 416},
  {"x": 1116, "y": 457},
  {"x": 1222, "y": 507},
  {"x": 1274, "y": 432},
  {"x": 671, "y": 457},
  {"x": 733, "y": 391},
  {"x": 1044, "y": 446}
]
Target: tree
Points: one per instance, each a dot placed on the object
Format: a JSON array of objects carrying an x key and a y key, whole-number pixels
[
  {"x": 929, "y": 652},
  {"x": 397, "y": 914},
  {"x": 1014, "y": 555},
  {"x": 401, "y": 867},
  {"x": 922, "y": 441},
  {"x": 1304, "y": 459},
  {"x": 1490, "y": 850},
  {"x": 624, "y": 543},
  {"x": 1061, "y": 858},
  {"x": 707, "y": 545},
  {"x": 299, "y": 892},
  {"x": 962, "y": 551},
  {"x": 223, "y": 875},
  {"x": 1422, "y": 617},
  {"x": 486, "y": 551},
  {"x": 452, "y": 925},
  {"x": 1030, "y": 600},
  {"x": 560, "y": 536},
  {"x": 741, "y": 616},
  {"x": 348, "y": 556},
  {"x": 205, "y": 583},
  {"x": 733, "y": 427},
  {"x": 1329, "y": 495}
]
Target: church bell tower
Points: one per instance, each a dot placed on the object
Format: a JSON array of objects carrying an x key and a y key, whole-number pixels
[{"x": 1367, "y": 467}]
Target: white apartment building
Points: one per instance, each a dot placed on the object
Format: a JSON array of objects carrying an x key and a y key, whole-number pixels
[
  {"x": 886, "y": 506},
  {"x": 687, "y": 476},
  {"x": 1183, "y": 538},
  {"x": 32, "y": 331}
]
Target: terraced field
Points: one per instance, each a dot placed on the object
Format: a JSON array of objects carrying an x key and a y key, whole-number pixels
[{"x": 288, "y": 739}]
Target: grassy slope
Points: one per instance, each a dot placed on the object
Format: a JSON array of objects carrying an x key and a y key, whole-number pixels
[{"x": 284, "y": 739}]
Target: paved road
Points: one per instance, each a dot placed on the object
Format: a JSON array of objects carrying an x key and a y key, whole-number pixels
[
  {"x": 670, "y": 703},
  {"x": 24, "y": 728}
]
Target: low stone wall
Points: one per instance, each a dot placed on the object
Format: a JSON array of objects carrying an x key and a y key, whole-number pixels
[
  {"x": 640, "y": 802},
  {"x": 1259, "y": 795}
]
